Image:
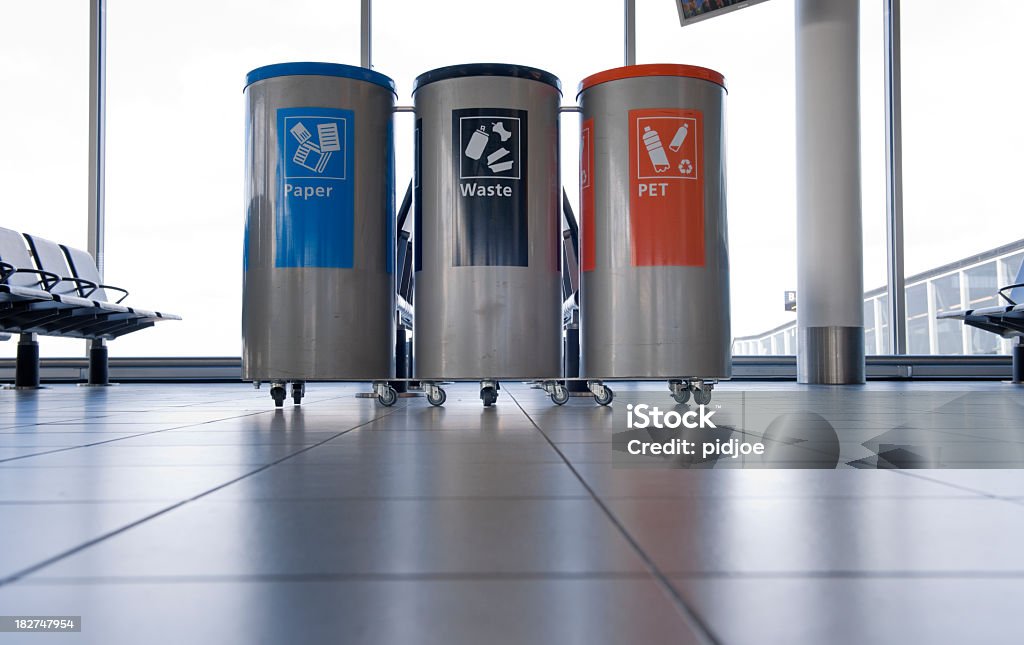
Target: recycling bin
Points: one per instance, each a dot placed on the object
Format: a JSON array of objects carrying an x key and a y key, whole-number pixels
[
  {"x": 654, "y": 294},
  {"x": 486, "y": 200},
  {"x": 318, "y": 298}
]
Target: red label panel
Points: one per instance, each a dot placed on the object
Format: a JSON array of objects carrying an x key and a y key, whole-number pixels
[
  {"x": 666, "y": 183},
  {"x": 587, "y": 194}
]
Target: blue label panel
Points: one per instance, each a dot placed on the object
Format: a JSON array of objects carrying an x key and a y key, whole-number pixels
[{"x": 315, "y": 196}]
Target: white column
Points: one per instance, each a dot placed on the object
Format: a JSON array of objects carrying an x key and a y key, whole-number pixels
[{"x": 830, "y": 289}]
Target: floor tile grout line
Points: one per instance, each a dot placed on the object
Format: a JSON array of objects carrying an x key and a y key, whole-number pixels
[
  {"x": 485, "y": 576},
  {"x": 14, "y": 577},
  {"x": 851, "y": 574},
  {"x": 688, "y": 613},
  {"x": 335, "y": 498},
  {"x": 526, "y": 575},
  {"x": 909, "y": 472},
  {"x": 132, "y": 436},
  {"x": 426, "y": 498}
]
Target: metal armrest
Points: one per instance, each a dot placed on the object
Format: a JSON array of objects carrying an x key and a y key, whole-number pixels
[
  {"x": 1006, "y": 297},
  {"x": 80, "y": 282},
  {"x": 49, "y": 280},
  {"x": 124, "y": 291}
]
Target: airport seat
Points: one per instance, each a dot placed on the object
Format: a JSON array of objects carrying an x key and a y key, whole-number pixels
[
  {"x": 1006, "y": 320},
  {"x": 49, "y": 289},
  {"x": 93, "y": 316},
  {"x": 25, "y": 298}
]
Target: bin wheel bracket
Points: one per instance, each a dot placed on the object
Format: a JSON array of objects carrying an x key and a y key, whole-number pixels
[
  {"x": 557, "y": 391},
  {"x": 680, "y": 390},
  {"x": 488, "y": 392},
  {"x": 436, "y": 396},
  {"x": 386, "y": 395},
  {"x": 603, "y": 394}
]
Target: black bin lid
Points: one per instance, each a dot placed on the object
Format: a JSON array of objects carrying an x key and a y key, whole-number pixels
[{"x": 486, "y": 69}]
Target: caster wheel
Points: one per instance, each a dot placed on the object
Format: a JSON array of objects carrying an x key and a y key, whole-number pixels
[
  {"x": 439, "y": 400},
  {"x": 278, "y": 394},
  {"x": 388, "y": 397},
  {"x": 607, "y": 398},
  {"x": 560, "y": 396},
  {"x": 682, "y": 396},
  {"x": 702, "y": 396},
  {"x": 297, "y": 393},
  {"x": 488, "y": 395}
]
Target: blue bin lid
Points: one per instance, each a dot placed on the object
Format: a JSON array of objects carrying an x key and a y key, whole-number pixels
[
  {"x": 486, "y": 69},
  {"x": 319, "y": 69}
]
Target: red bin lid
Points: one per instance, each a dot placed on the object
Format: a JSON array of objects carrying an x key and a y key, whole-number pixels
[{"x": 639, "y": 71}]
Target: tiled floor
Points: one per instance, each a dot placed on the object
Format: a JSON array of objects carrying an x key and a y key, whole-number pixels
[{"x": 199, "y": 514}]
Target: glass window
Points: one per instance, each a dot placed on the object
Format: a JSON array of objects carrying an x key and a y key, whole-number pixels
[
  {"x": 746, "y": 46},
  {"x": 882, "y": 310},
  {"x": 44, "y": 160},
  {"x": 760, "y": 160},
  {"x": 872, "y": 147},
  {"x": 982, "y": 342},
  {"x": 981, "y": 286},
  {"x": 946, "y": 292},
  {"x": 414, "y": 37},
  {"x": 981, "y": 292},
  {"x": 1013, "y": 273},
  {"x": 961, "y": 163},
  {"x": 869, "y": 327},
  {"x": 176, "y": 151},
  {"x": 918, "y": 341},
  {"x": 869, "y": 342}
]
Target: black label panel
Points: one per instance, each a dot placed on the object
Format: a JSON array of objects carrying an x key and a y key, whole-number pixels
[{"x": 490, "y": 160}]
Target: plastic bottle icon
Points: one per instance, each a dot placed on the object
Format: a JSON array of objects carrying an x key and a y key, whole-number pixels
[
  {"x": 655, "y": 150},
  {"x": 477, "y": 143},
  {"x": 677, "y": 141}
]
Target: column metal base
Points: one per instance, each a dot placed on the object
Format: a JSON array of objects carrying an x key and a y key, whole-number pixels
[{"x": 830, "y": 355}]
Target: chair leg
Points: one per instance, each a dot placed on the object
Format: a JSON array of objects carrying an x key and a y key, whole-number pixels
[
  {"x": 26, "y": 366},
  {"x": 1017, "y": 364},
  {"x": 99, "y": 366}
]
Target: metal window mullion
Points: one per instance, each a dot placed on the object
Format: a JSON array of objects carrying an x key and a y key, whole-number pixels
[
  {"x": 366, "y": 34},
  {"x": 933, "y": 327},
  {"x": 97, "y": 138},
  {"x": 965, "y": 329},
  {"x": 894, "y": 180},
  {"x": 97, "y": 129},
  {"x": 629, "y": 32}
]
